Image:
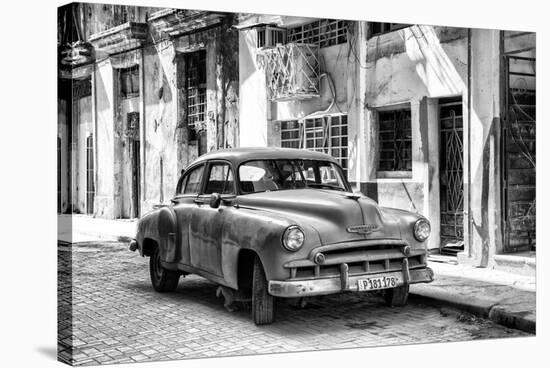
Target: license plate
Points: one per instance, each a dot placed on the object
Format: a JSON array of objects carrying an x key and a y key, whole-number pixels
[{"x": 378, "y": 283}]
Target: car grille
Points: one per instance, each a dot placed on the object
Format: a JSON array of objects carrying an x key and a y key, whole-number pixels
[{"x": 361, "y": 261}]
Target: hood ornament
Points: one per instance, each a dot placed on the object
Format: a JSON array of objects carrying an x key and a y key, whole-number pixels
[{"x": 362, "y": 229}]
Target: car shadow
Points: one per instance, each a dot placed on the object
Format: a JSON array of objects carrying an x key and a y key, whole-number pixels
[{"x": 345, "y": 311}]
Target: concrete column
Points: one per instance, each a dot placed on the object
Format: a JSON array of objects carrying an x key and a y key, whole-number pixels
[
  {"x": 253, "y": 101},
  {"x": 429, "y": 173},
  {"x": 482, "y": 174},
  {"x": 104, "y": 102}
]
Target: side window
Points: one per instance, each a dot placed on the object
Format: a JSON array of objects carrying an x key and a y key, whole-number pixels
[
  {"x": 220, "y": 180},
  {"x": 192, "y": 182}
]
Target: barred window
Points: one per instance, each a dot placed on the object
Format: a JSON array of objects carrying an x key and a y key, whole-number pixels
[
  {"x": 327, "y": 134},
  {"x": 324, "y": 32},
  {"x": 290, "y": 134},
  {"x": 377, "y": 28},
  {"x": 129, "y": 82},
  {"x": 395, "y": 141},
  {"x": 195, "y": 64}
]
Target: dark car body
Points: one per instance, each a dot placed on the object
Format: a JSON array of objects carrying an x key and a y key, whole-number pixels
[{"x": 347, "y": 237}]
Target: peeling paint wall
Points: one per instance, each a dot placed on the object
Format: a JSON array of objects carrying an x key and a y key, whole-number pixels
[
  {"x": 104, "y": 112},
  {"x": 160, "y": 122},
  {"x": 260, "y": 117},
  {"x": 165, "y": 148},
  {"x": 412, "y": 67}
]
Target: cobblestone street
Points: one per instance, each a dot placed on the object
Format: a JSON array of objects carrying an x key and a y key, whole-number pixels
[{"x": 118, "y": 318}]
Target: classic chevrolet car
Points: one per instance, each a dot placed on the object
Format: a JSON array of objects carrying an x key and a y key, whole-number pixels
[{"x": 281, "y": 223}]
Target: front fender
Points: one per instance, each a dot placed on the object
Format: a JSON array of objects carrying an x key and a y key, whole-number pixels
[
  {"x": 261, "y": 232},
  {"x": 406, "y": 220}
]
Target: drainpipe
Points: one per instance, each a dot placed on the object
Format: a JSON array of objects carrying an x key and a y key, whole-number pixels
[{"x": 469, "y": 142}]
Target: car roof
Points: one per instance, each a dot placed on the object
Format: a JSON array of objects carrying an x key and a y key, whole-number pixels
[{"x": 239, "y": 155}]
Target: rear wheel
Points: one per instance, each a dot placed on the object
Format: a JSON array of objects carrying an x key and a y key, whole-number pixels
[
  {"x": 163, "y": 280},
  {"x": 397, "y": 297},
  {"x": 263, "y": 304}
]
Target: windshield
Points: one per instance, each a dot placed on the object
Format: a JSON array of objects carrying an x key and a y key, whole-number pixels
[{"x": 270, "y": 175}]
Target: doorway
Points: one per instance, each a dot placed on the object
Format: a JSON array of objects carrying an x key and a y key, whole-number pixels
[{"x": 451, "y": 176}]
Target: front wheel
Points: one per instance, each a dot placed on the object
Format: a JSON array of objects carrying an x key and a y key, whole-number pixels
[
  {"x": 163, "y": 280},
  {"x": 263, "y": 303},
  {"x": 397, "y": 297}
]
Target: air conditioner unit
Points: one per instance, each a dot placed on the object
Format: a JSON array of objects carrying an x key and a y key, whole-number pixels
[{"x": 269, "y": 36}]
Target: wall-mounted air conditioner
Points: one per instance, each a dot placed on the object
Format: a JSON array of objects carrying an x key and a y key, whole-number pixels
[{"x": 269, "y": 36}]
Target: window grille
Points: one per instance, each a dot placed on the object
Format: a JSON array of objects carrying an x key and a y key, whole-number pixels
[
  {"x": 377, "y": 28},
  {"x": 195, "y": 64},
  {"x": 292, "y": 71},
  {"x": 129, "y": 82},
  {"x": 327, "y": 134},
  {"x": 290, "y": 134},
  {"x": 324, "y": 33},
  {"x": 395, "y": 141}
]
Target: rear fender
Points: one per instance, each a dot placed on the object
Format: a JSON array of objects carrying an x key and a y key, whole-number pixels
[
  {"x": 159, "y": 226},
  {"x": 167, "y": 234}
]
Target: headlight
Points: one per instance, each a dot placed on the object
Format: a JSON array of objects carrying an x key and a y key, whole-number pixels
[
  {"x": 293, "y": 238},
  {"x": 422, "y": 229}
]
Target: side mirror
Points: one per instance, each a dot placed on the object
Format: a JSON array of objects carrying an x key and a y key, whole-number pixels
[{"x": 215, "y": 200}]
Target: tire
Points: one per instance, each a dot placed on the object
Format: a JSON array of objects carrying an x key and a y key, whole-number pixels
[
  {"x": 263, "y": 304},
  {"x": 163, "y": 280},
  {"x": 397, "y": 297}
]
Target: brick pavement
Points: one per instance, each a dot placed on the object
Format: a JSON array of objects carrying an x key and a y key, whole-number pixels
[{"x": 118, "y": 318}]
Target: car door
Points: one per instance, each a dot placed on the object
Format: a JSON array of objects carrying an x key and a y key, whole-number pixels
[
  {"x": 205, "y": 239},
  {"x": 183, "y": 204}
]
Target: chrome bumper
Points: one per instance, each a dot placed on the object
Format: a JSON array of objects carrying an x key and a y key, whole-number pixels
[{"x": 344, "y": 283}]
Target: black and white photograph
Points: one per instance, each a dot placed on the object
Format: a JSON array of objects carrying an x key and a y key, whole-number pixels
[{"x": 234, "y": 183}]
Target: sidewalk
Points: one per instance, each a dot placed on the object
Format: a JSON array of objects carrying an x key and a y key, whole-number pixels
[
  {"x": 82, "y": 228},
  {"x": 504, "y": 297}
]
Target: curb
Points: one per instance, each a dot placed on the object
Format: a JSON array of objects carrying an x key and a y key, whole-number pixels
[
  {"x": 493, "y": 312},
  {"x": 500, "y": 315}
]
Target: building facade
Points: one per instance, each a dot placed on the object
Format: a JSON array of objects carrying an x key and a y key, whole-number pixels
[
  {"x": 420, "y": 117},
  {"x": 431, "y": 119},
  {"x": 161, "y": 88}
]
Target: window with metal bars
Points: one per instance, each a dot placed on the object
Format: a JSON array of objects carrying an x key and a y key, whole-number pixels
[
  {"x": 377, "y": 28},
  {"x": 327, "y": 134},
  {"x": 195, "y": 81},
  {"x": 129, "y": 82},
  {"x": 90, "y": 183},
  {"x": 395, "y": 140},
  {"x": 324, "y": 32}
]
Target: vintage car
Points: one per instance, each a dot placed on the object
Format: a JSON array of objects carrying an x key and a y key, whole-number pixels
[{"x": 281, "y": 223}]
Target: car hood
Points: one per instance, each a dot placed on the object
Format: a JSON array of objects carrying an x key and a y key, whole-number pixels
[{"x": 331, "y": 213}]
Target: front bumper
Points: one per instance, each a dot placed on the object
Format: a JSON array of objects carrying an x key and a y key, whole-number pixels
[{"x": 344, "y": 283}]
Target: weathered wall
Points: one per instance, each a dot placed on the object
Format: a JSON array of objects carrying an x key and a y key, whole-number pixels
[
  {"x": 253, "y": 95},
  {"x": 159, "y": 124},
  {"x": 104, "y": 112},
  {"x": 260, "y": 123},
  {"x": 412, "y": 67},
  {"x": 482, "y": 189}
]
